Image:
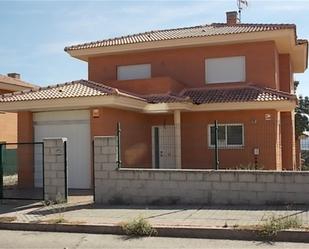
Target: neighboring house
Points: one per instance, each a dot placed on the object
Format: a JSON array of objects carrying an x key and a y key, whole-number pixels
[
  {"x": 8, "y": 121},
  {"x": 166, "y": 88}
]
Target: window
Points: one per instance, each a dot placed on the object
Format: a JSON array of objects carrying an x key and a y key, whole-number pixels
[
  {"x": 229, "y": 135},
  {"x": 132, "y": 72},
  {"x": 228, "y": 69}
]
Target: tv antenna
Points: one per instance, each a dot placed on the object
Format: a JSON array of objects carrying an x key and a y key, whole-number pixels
[{"x": 241, "y": 4}]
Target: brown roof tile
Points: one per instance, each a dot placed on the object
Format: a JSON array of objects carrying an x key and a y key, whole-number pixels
[
  {"x": 84, "y": 88},
  {"x": 238, "y": 94},
  {"x": 165, "y": 98},
  {"x": 178, "y": 33}
]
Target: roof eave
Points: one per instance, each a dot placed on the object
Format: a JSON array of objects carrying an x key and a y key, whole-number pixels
[
  {"x": 300, "y": 57},
  {"x": 85, "y": 54},
  {"x": 278, "y": 105},
  {"x": 122, "y": 102}
]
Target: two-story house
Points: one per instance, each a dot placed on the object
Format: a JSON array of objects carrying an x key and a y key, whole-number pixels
[{"x": 166, "y": 88}]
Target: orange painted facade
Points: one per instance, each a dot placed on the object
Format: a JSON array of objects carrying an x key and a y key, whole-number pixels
[
  {"x": 187, "y": 65},
  {"x": 136, "y": 138}
]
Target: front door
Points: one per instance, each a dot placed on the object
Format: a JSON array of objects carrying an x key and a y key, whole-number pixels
[{"x": 163, "y": 144}]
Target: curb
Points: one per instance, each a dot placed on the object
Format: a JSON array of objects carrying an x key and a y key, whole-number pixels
[{"x": 163, "y": 231}]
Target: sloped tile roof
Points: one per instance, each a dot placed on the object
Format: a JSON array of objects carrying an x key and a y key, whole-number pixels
[
  {"x": 214, "y": 29},
  {"x": 74, "y": 89},
  {"x": 85, "y": 88},
  {"x": 13, "y": 81},
  {"x": 165, "y": 98},
  {"x": 238, "y": 94}
]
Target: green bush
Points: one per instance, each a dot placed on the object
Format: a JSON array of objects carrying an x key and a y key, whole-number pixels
[{"x": 138, "y": 227}]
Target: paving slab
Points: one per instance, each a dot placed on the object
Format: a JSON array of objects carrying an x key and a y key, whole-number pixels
[{"x": 194, "y": 216}]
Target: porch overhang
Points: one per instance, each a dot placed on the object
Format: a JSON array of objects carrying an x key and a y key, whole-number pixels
[{"x": 122, "y": 102}]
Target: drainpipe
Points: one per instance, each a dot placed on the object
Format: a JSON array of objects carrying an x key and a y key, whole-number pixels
[{"x": 177, "y": 124}]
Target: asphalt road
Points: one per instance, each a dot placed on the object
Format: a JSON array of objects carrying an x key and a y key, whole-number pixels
[{"x": 21, "y": 239}]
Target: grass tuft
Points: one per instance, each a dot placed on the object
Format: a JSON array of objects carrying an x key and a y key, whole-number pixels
[
  {"x": 138, "y": 227},
  {"x": 271, "y": 226},
  {"x": 57, "y": 220}
]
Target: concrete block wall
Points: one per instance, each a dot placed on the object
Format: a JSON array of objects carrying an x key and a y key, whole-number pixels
[
  {"x": 166, "y": 187},
  {"x": 54, "y": 169}
]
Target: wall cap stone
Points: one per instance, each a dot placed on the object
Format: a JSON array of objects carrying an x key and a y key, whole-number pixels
[
  {"x": 64, "y": 139},
  {"x": 257, "y": 172}
]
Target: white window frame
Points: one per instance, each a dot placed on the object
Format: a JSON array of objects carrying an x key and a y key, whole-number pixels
[
  {"x": 148, "y": 65},
  {"x": 207, "y": 81},
  {"x": 225, "y": 145}
]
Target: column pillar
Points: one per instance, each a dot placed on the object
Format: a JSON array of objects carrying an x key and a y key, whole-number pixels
[
  {"x": 177, "y": 123},
  {"x": 288, "y": 141}
]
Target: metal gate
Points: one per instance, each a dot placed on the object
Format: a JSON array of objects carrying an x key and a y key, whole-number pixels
[{"x": 22, "y": 171}]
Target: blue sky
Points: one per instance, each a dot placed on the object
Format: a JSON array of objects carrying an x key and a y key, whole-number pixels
[{"x": 34, "y": 33}]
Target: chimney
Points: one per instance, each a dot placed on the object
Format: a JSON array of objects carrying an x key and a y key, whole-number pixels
[
  {"x": 14, "y": 75},
  {"x": 231, "y": 18}
]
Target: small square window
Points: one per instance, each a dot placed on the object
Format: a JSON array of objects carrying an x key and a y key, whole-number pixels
[{"x": 229, "y": 135}]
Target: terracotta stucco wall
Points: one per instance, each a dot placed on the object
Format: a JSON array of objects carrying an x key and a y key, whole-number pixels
[
  {"x": 137, "y": 145},
  {"x": 149, "y": 86},
  {"x": 285, "y": 72},
  {"x": 25, "y": 152},
  {"x": 187, "y": 65},
  {"x": 258, "y": 133}
]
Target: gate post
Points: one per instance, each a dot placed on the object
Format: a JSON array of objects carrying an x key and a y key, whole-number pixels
[
  {"x": 55, "y": 169},
  {"x": 105, "y": 162}
]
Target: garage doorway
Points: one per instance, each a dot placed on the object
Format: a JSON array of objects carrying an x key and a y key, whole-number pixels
[{"x": 75, "y": 126}]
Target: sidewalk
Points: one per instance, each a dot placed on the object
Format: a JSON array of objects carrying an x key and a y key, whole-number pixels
[{"x": 206, "y": 216}]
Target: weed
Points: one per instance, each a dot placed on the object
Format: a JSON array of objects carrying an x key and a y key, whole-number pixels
[
  {"x": 7, "y": 219},
  {"x": 250, "y": 166},
  {"x": 57, "y": 220},
  {"x": 272, "y": 225},
  {"x": 138, "y": 227}
]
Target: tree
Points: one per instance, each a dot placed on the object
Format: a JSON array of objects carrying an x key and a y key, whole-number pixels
[{"x": 301, "y": 114}]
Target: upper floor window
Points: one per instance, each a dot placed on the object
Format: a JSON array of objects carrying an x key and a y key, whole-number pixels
[
  {"x": 227, "y": 69},
  {"x": 132, "y": 72}
]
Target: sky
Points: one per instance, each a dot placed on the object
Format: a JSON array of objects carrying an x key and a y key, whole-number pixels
[{"x": 33, "y": 34}]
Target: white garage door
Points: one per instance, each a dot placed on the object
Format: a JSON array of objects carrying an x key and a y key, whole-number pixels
[{"x": 75, "y": 126}]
